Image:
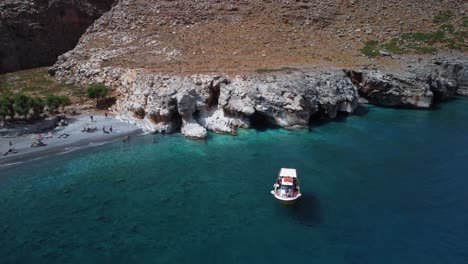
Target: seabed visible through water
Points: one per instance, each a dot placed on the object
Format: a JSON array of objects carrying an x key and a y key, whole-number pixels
[{"x": 385, "y": 187}]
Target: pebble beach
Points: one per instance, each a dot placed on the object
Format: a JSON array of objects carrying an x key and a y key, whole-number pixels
[{"x": 66, "y": 138}]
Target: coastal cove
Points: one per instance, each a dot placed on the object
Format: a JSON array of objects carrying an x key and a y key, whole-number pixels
[{"x": 385, "y": 187}]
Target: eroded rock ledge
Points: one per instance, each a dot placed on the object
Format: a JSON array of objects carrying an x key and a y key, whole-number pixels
[
  {"x": 415, "y": 86},
  {"x": 195, "y": 104}
]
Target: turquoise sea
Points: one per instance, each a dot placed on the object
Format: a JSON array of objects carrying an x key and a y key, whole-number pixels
[{"x": 390, "y": 186}]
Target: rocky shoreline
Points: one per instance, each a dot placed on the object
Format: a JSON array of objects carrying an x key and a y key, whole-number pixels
[
  {"x": 289, "y": 99},
  {"x": 418, "y": 85}
]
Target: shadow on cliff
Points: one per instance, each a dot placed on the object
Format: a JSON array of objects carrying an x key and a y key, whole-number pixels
[
  {"x": 317, "y": 120},
  {"x": 36, "y": 36},
  {"x": 261, "y": 122}
]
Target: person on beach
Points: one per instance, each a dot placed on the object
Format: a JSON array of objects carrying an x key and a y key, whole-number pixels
[
  {"x": 91, "y": 118},
  {"x": 110, "y": 129},
  {"x": 105, "y": 115},
  {"x": 10, "y": 150}
]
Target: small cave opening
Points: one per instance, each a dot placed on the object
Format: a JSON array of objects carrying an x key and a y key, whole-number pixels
[
  {"x": 261, "y": 122},
  {"x": 171, "y": 121},
  {"x": 196, "y": 114},
  {"x": 437, "y": 98},
  {"x": 355, "y": 76},
  {"x": 214, "y": 95},
  {"x": 321, "y": 118},
  {"x": 139, "y": 113}
]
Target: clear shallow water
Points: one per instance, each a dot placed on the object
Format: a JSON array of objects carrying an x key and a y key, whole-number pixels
[{"x": 387, "y": 187}]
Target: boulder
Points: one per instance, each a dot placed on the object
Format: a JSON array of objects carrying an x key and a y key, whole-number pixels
[{"x": 191, "y": 129}]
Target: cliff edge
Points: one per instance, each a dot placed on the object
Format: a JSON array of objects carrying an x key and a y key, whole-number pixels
[{"x": 34, "y": 33}]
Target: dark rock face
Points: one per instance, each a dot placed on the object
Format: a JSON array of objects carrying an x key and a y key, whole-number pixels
[
  {"x": 444, "y": 81},
  {"x": 393, "y": 91},
  {"x": 463, "y": 82},
  {"x": 35, "y": 32},
  {"x": 449, "y": 79},
  {"x": 419, "y": 87}
]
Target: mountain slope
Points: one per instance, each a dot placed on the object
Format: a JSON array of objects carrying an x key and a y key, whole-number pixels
[
  {"x": 34, "y": 33},
  {"x": 245, "y": 36}
]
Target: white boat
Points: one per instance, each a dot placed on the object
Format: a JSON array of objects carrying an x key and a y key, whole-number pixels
[{"x": 286, "y": 189}]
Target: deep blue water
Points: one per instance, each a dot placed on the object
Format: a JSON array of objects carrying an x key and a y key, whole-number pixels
[{"x": 387, "y": 187}]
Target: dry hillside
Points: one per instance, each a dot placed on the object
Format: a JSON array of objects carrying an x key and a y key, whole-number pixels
[{"x": 244, "y": 36}]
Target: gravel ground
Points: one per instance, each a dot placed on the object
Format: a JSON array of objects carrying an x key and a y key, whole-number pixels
[{"x": 58, "y": 143}]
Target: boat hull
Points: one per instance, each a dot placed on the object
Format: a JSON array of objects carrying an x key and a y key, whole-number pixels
[{"x": 286, "y": 200}]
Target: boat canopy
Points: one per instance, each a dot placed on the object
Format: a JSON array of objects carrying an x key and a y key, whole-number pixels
[
  {"x": 287, "y": 181},
  {"x": 288, "y": 173}
]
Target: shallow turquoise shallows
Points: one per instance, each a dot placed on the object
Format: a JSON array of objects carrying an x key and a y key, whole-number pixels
[{"x": 390, "y": 186}]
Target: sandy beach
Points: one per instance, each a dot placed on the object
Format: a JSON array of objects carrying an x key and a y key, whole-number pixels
[{"x": 60, "y": 143}]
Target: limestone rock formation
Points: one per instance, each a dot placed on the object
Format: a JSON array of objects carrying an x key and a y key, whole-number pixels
[
  {"x": 450, "y": 79},
  {"x": 34, "y": 32},
  {"x": 394, "y": 91},
  {"x": 419, "y": 86},
  {"x": 163, "y": 103}
]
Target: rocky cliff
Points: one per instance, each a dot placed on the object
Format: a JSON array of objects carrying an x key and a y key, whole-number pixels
[
  {"x": 197, "y": 103},
  {"x": 420, "y": 84},
  {"x": 35, "y": 32},
  {"x": 222, "y": 65}
]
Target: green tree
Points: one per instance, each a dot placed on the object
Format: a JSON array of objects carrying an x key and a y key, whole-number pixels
[
  {"x": 22, "y": 104},
  {"x": 37, "y": 105},
  {"x": 64, "y": 101},
  {"x": 97, "y": 91},
  {"x": 6, "y": 107},
  {"x": 53, "y": 102}
]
